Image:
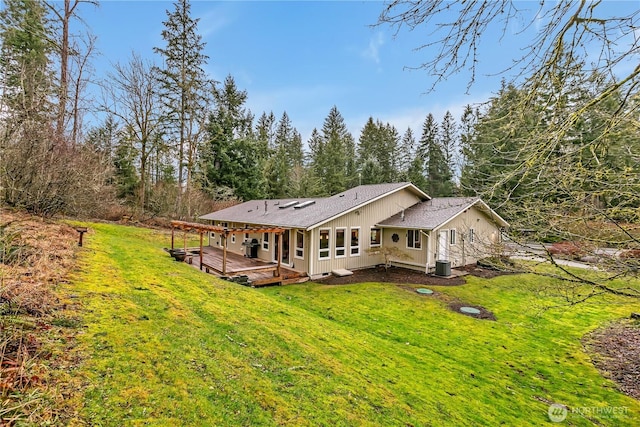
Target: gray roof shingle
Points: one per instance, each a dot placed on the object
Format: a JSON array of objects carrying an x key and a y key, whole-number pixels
[
  {"x": 433, "y": 213},
  {"x": 323, "y": 210}
]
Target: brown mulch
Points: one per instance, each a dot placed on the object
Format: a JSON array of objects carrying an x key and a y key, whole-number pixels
[
  {"x": 615, "y": 351},
  {"x": 405, "y": 276},
  {"x": 392, "y": 275}
]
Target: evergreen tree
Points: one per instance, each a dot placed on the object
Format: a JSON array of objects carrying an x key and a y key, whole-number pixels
[
  {"x": 280, "y": 164},
  {"x": 448, "y": 141},
  {"x": 125, "y": 177},
  {"x": 27, "y": 144},
  {"x": 436, "y": 171},
  {"x": 184, "y": 85},
  {"x": 26, "y": 75},
  {"x": 406, "y": 154},
  {"x": 368, "y": 149},
  {"x": 339, "y": 164},
  {"x": 229, "y": 160},
  {"x": 378, "y": 153}
]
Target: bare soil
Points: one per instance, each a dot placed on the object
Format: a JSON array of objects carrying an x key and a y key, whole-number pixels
[{"x": 615, "y": 351}]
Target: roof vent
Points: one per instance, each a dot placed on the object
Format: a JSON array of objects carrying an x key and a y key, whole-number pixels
[
  {"x": 304, "y": 204},
  {"x": 288, "y": 205}
]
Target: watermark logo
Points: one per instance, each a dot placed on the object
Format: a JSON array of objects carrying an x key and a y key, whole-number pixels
[{"x": 557, "y": 413}]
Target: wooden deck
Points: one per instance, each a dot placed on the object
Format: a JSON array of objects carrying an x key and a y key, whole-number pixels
[{"x": 259, "y": 272}]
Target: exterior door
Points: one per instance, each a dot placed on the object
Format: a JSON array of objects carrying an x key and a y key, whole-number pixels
[
  {"x": 443, "y": 245},
  {"x": 286, "y": 257}
]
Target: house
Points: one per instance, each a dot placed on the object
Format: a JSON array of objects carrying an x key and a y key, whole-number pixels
[{"x": 325, "y": 234}]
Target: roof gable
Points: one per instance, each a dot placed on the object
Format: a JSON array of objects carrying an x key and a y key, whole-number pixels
[{"x": 433, "y": 213}]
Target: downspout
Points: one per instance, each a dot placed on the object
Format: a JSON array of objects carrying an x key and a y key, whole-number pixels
[
  {"x": 428, "y": 235},
  {"x": 310, "y": 253}
]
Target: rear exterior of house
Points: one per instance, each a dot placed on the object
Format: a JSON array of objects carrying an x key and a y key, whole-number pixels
[
  {"x": 458, "y": 230},
  {"x": 326, "y": 234}
]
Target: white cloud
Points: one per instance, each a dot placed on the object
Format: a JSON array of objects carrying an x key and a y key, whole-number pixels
[
  {"x": 214, "y": 20},
  {"x": 372, "y": 51}
]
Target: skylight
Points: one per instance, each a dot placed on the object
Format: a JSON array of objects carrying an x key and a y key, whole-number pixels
[
  {"x": 304, "y": 204},
  {"x": 289, "y": 204}
]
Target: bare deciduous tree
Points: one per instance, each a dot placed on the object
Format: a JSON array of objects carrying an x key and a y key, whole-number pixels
[
  {"x": 567, "y": 134},
  {"x": 132, "y": 95}
]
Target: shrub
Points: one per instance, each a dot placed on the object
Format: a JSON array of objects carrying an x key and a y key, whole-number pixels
[{"x": 573, "y": 250}]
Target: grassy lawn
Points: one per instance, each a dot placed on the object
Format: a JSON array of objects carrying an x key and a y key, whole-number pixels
[{"x": 165, "y": 344}]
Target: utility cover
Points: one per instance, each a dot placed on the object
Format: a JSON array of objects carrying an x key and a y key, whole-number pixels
[
  {"x": 469, "y": 310},
  {"x": 424, "y": 291}
]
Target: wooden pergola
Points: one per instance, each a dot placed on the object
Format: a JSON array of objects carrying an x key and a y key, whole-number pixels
[{"x": 224, "y": 233}]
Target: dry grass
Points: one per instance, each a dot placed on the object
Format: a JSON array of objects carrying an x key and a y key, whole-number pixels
[{"x": 35, "y": 255}]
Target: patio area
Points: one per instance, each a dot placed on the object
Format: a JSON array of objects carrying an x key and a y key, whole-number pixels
[
  {"x": 258, "y": 273},
  {"x": 232, "y": 266}
]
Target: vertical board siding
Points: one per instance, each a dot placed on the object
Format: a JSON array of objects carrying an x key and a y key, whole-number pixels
[
  {"x": 487, "y": 237},
  {"x": 364, "y": 217}
]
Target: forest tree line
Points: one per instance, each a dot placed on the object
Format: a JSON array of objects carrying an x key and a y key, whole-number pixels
[{"x": 172, "y": 140}]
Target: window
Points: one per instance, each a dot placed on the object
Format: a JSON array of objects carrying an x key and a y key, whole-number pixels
[
  {"x": 355, "y": 241},
  {"x": 233, "y": 238},
  {"x": 300, "y": 244},
  {"x": 265, "y": 241},
  {"x": 340, "y": 242},
  {"x": 472, "y": 235},
  {"x": 414, "y": 239},
  {"x": 452, "y": 237},
  {"x": 376, "y": 235},
  {"x": 324, "y": 243}
]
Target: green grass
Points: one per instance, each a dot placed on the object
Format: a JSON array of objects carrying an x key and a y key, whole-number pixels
[{"x": 165, "y": 344}]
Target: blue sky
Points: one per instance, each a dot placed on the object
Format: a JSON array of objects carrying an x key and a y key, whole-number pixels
[{"x": 304, "y": 57}]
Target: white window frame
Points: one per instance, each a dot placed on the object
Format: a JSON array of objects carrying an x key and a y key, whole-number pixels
[
  {"x": 344, "y": 242},
  {"x": 356, "y": 247},
  {"x": 326, "y": 250},
  {"x": 453, "y": 238},
  {"x": 233, "y": 238},
  {"x": 265, "y": 241},
  {"x": 299, "y": 248},
  {"x": 472, "y": 235},
  {"x": 414, "y": 233},
  {"x": 375, "y": 245}
]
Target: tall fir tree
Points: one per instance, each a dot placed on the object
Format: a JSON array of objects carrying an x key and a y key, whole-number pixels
[
  {"x": 406, "y": 154},
  {"x": 229, "y": 159},
  {"x": 378, "y": 153},
  {"x": 449, "y": 141},
  {"x": 184, "y": 90},
  {"x": 438, "y": 175},
  {"x": 339, "y": 145}
]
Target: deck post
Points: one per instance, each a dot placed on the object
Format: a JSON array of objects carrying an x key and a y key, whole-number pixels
[
  {"x": 279, "y": 237},
  {"x": 224, "y": 253},
  {"x": 172, "y": 230},
  {"x": 201, "y": 249}
]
